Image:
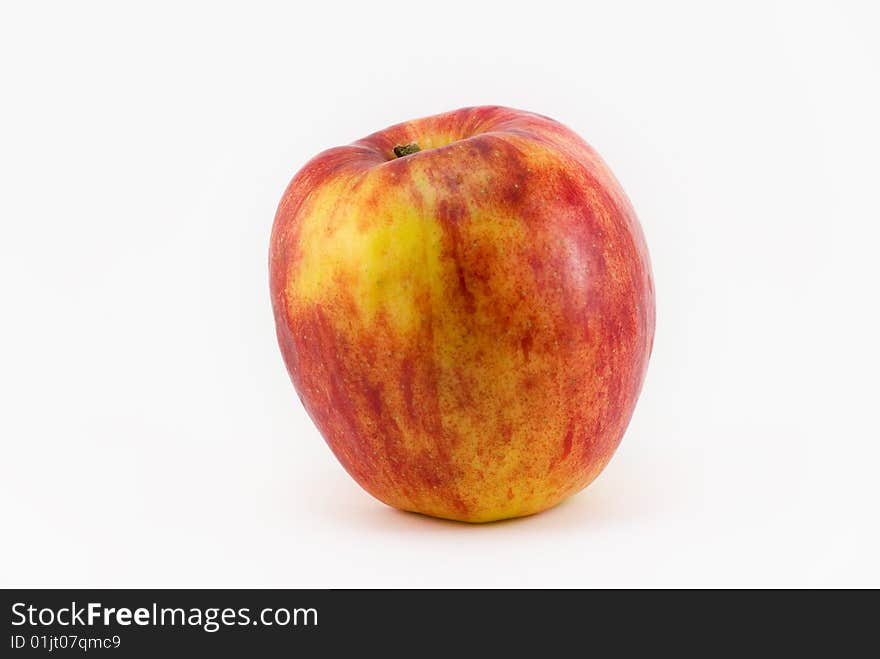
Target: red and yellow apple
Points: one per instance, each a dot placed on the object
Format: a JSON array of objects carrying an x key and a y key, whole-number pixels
[{"x": 465, "y": 306}]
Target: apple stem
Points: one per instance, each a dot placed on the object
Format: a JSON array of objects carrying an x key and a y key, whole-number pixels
[{"x": 402, "y": 150}]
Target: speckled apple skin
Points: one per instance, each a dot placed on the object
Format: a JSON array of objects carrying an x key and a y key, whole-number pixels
[{"x": 468, "y": 326}]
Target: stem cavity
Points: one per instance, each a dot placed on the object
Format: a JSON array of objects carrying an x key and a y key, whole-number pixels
[{"x": 402, "y": 150}]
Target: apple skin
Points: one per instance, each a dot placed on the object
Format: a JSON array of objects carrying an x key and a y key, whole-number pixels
[{"x": 468, "y": 326}]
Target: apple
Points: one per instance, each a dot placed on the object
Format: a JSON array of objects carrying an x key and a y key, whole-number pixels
[{"x": 465, "y": 306}]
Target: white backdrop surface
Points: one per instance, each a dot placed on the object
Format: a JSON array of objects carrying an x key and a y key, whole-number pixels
[{"x": 150, "y": 435}]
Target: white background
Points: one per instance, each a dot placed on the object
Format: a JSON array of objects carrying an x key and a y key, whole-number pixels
[{"x": 150, "y": 434}]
